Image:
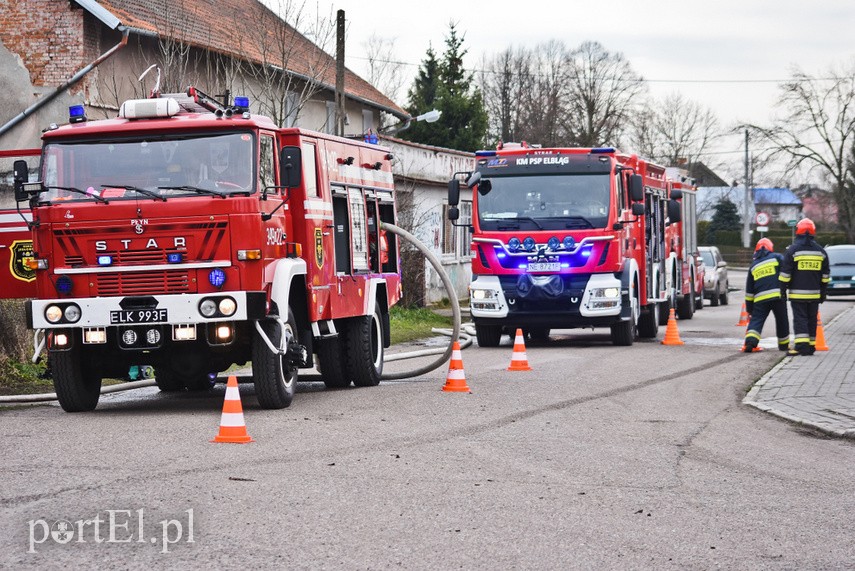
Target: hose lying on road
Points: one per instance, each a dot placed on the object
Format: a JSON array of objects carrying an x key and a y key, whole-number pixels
[{"x": 445, "y": 353}]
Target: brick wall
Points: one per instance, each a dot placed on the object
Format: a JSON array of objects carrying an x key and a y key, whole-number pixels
[{"x": 47, "y": 35}]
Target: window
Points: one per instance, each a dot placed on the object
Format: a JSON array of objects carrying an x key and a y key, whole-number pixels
[
  {"x": 359, "y": 236},
  {"x": 457, "y": 240},
  {"x": 330, "y": 126},
  {"x": 367, "y": 120},
  {"x": 266, "y": 163},
  {"x": 310, "y": 175}
]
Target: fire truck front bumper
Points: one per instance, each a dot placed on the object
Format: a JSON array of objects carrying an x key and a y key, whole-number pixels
[
  {"x": 555, "y": 300},
  {"x": 176, "y": 310}
]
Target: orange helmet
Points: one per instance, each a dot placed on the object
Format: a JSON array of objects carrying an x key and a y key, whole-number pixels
[
  {"x": 806, "y": 226},
  {"x": 765, "y": 243}
]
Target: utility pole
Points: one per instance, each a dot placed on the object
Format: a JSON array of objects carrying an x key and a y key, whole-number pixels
[
  {"x": 746, "y": 231},
  {"x": 339, "y": 73}
]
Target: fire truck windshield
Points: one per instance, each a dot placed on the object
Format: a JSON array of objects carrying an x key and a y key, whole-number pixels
[
  {"x": 545, "y": 202},
  {"x": 151, "y": 167}
]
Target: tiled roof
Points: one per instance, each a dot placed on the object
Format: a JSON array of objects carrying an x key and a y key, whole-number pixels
[
  {"x": 234, "y": 28},
  {"x": 775, "y": 196}
]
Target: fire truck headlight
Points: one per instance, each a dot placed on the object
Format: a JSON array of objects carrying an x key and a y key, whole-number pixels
[
  {"x": 208, "y": 307},
  {"x": 53, "y": 313},
  {"x": 606, "y": 292},
  {"x": 72, "y": 313},
  {"x": 483, "y": 294},
  {"x": 227, "y": 306},
  {"x": 528, "y": 243}
]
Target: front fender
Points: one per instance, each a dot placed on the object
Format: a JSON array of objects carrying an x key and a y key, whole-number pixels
[{"x": 279, "y": 275}]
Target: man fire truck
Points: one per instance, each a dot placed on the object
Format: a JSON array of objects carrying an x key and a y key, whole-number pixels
[
  {"x": 683, "y": 268},
  {"x": 190, "y": 235},
  {"x": 567, "y": 237}
]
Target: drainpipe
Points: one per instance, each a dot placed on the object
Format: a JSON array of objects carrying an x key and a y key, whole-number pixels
[{"x": 68, "y": 84}]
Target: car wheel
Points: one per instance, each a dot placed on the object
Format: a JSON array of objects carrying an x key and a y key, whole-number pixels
[
  {"x": 724, "y": 299},
  {"x": 716, "y": 296}
]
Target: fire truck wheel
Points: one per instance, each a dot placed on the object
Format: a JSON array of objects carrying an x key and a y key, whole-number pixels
[
  {"x": 77, "y": 387},
  {"x": 331, "y": 364},
  {"x": 648, "y": 322},
  {"x": 539, "y": 334},
  {"x": 167, "y": 381},
  {"x": 686, "y": 306},
  {"x": 363, "y": 349},
  {"x": 488, "y": 335},
  {"x": 275, "y": 382},
  {"x": 624, "y": 333}
]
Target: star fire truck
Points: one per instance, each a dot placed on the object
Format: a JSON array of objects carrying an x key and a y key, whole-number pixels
[
  {"x": 190, "y": 234},
  {"x": 684, "y": 270},
  {"x": 567, "y": 238}
]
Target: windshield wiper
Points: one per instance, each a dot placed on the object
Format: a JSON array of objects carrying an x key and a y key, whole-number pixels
[
  {"x": 132, "y": 188},
  {"x": 576, "y": 219},
  {"x": 512, "y": 223},
  {"x": 97, "y": 197},
  {"x": 196, "y": 189}
]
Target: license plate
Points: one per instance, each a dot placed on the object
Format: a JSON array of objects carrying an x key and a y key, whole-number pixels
[
  {"x": 840, "y": 285},
  {"x": 544, "y": 266},
  {"x": 138, "y": 316}
]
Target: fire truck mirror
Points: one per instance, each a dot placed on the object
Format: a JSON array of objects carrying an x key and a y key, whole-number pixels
[
  {"x": 453, "y": 213},
  {"x": 674, "y": 214},
  {"x": 21, "y": 176},
  {"x": 473, "y": 180},
  {"x": 676, "y": 194},
  {"x": 290, "y": 166},
  {"x": 485, "y": 186},
  {"x": 636, "y": 188},
  {"x": 638, "y": 208},
  {"x": 453, "y": 192}
]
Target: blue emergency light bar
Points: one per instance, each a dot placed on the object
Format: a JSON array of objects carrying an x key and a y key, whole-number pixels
[
  {"x": 76, "y": 114},
  {"x": 242, "y": 102},
  {"x": 174, "y": 257},
  {"x": 485, "y": 153},
  {"x": 602, "y": 150},
  {"x": 105, "y": 260}
]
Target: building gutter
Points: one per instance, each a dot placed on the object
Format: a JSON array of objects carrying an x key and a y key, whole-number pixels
[{"x": 70, "y": 83}]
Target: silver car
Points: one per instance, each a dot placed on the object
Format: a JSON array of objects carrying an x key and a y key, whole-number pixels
[
  {"x": 715, "y": 275},
  {"x": 841, "y": 260}
]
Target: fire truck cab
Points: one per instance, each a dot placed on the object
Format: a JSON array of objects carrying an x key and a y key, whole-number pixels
[{"x": 192, "y": 235}]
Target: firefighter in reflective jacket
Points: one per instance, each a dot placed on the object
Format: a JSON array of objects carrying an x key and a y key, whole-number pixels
[
  {"x": 805, "y": 273},
  {"x": 763, "y": 294}
]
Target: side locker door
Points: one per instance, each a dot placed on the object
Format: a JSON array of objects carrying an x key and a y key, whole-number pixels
[{"x": 319, "y": 229}]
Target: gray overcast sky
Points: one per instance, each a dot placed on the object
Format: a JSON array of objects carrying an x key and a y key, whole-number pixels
[{"x": 669, "y": 42}]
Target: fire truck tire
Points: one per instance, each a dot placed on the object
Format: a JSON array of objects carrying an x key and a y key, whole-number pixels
[
  {"x": 539, "y": 334},
  {"x": 624, "y": 333},
  {"x": 686, "y": 306},
  {"x": 77, "y": 388},
  {"x": 649, "y": 321},
  {"x": 363, "y": 349},
  {"x": 332, "y": 366},
  {"x": 488, "y": 335},
  {"x": 699, "y": 300},
  {"x": 275, "y": 382},
  {"x": 664, "y": 312},
  {"x": 167, "y": 381}
]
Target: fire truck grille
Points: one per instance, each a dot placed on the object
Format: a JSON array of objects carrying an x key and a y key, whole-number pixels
[
  {"x": 73, "y": 261},
  {"x": 140, "y": 283},
  {"x": 142, "y": 257}
]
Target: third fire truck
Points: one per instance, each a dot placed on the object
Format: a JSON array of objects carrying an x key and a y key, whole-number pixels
[{"x": 566, "y": 238}]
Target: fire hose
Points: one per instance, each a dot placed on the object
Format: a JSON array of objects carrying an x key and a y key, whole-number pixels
[{"x": 445, "y": 354}]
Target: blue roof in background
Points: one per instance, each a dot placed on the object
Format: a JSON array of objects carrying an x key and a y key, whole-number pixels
[{"x": 775, "y": 196}]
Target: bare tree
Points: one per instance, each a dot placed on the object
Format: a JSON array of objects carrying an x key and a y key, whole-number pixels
[
  {"x": 674, "y": 130},
  {"x": 816, "y": 130},
  {"x": 505, "y": 83},
  {"x": 384, "y": 71},
  {"x": 603, "y": 93},
  {"x": 288, "y": 71}
]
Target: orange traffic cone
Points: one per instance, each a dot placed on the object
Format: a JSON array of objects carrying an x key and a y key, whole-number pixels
[
  {"x": 232, "y": 425},
  {"x": 519, "y": 361},
  {"x": 744, "y": 318},
  {"x": 820, "y": 335},
  {"x": 455, "y": 382},
  {"x": 672, "y": 335},
  {"x": 755, "y": 350}
]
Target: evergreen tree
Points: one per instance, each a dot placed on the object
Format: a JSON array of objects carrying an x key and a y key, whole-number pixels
[
  {"x": 445, "y": 85},
  {"x": 725, "y": 217}
]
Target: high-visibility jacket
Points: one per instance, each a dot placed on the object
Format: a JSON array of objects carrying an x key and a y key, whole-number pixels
[
  {"x": 805, "y": 271},
  {"x": 762, "y": 283}
]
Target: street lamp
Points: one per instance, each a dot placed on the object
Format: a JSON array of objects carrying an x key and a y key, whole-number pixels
[{"x": 431, "y": 116}]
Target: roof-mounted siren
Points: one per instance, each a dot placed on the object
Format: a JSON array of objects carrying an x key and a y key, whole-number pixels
[
  {"x": 149, "y": 108},
  {"x": 77, "y": 114},
  {"x": 511, "y": 145}
]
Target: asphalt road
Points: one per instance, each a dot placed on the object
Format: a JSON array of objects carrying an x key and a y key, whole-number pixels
[{"x": 601, "y": 457}]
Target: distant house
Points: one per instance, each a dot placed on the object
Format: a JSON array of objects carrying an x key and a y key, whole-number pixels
[
  {"x": 703, "y": 175},
  {"x": 818, "y": 205},
  {"x": 781, "y": 204}
]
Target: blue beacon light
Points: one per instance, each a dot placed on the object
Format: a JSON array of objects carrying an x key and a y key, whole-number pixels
[
  {"x": 217, "y": 277},
  {"x": 76, "y": 114}
]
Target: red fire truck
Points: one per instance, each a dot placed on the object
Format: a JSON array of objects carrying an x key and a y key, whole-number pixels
[
  {"x": 684, "y": 271},
  {"x": 191, "y": 235},
  {"x": 567, "y": 237}
]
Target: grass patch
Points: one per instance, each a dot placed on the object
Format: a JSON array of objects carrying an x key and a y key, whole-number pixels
[
  {"x": 23, "y": 378},
  {"x": 416, "y": 323}
]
